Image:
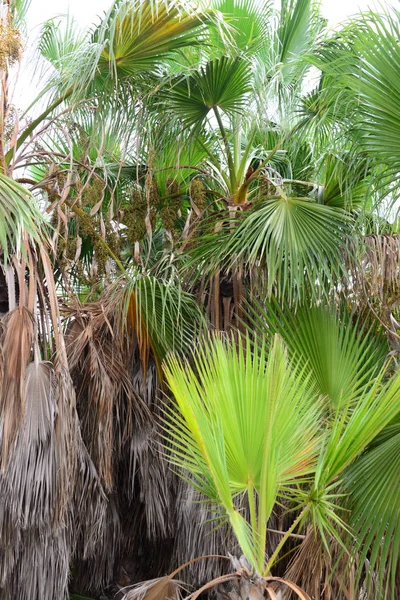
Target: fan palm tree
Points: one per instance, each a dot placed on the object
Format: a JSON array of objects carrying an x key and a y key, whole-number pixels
[
  {"x": 251, "y": 430},
  {"x": 179, "y": 165}
]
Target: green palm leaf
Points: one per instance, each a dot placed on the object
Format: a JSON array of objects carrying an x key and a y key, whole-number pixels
[
  {"x": 223, "y": 84},
  {"x": 351, "y": 431},
  {"x": 157, "y": 313},
  {"x": 372, "y": 482},
  {"x": 346, "y": 181},
  {"x": 340, "y": 359},
  {"x": 246, "y": 424},
  {"x": 363, "y": 67},
  {"x": 295, "y": 240},
  {"x": 298, "y": 26},
  {"x": 140, "y": 34},
  {"x": 249, "y": 22},
  {"x": 18, "y": 213}
]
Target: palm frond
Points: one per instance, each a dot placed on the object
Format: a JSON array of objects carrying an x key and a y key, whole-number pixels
[
  {"x": 223, "y": 83},
  {"x": 362, "y": 66},
  {"x": 375, "y": 515},
  {"x": 18, "y": 213},
  {"x": 248, "y": 22},
  {"x": 160, "y": 316},
  {"x": 295, "y": 240},
  {"x": 238, "y": 431},
  {"x": 299, "y": 25},
  {"x": 340, "y": 358},
  {"x": 139, "y": 35}
]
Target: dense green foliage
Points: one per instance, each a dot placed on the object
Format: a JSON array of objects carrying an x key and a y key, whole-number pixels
[{"x": 200, "y": 303}]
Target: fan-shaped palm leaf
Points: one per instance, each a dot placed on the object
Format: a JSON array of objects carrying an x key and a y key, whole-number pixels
[
  {"x": 157, "y": 313},
  {"x": 248, "y": 22},
  {"x": 363, "y": 67},
  {"x": 372, "y": 482},
  {"x": 222, "y": 84},
  {"x": 340, "y": 359},
  {"x": 296, "y": 240},
  {"x": 139, "y": 35},
  {"x": 247, "y": 424}
]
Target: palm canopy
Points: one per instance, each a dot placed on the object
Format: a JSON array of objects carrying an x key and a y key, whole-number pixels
[{"x": 181, "y": 160}]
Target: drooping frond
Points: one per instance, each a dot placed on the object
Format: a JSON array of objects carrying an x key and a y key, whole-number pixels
[{"x": 18, "y": 213}]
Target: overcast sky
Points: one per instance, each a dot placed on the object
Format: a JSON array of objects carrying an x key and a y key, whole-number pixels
[{"x": 86, "y": 11}]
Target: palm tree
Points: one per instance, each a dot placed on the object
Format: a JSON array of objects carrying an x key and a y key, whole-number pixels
[
  {"x": 181, "y": 167},
  {"x": 254, "y": 431}
]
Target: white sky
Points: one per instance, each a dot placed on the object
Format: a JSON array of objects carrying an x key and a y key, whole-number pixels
[{"x": 86, "y": 11}]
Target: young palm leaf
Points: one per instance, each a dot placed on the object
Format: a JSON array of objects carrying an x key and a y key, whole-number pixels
[{"x": 246, "y": 424}]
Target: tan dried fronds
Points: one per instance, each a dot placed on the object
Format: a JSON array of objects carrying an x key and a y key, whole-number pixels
[
  {"x": 162, "y": 588},
  {"x": 100, "y": 359},
  {"x": 16, "y": 345},
  {"x": 374, "y": 287},
  {"x": 96, "y": 570},
  {"x": 36, "y": 489},
  {"x": 312, "y": 569},
  {"x": 380, "y": 266}
]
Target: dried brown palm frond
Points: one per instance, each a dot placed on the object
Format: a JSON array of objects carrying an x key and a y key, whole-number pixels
[
  {"x": 381, "y": 265},
  {"x": 94, "y": 571},
  {"x": 87, "y": 514},
  {"x": 42, "y": 567},
  {"x": 162, "y": 588},
  {"x": 35, "y": 489},
  {"x": 16, "y": 344},
  {"x": 375, "y": 283},
  {"x": 240, "y": 584},
  {"x": 324, "y": 576},
  {"x": 167, "y": 587},
  {"x": 108, "y": 406},
  {"x": 198, "y": 531}
]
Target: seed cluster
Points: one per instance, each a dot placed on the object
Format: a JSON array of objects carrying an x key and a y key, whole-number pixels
[
  {"x": 198, "y": 193},
  {"x": 135, "y": 215},
  {"x": 169, "y": 211},
  {"x": 93, "y": 193},
  {"x": 10, "y": 44}
]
